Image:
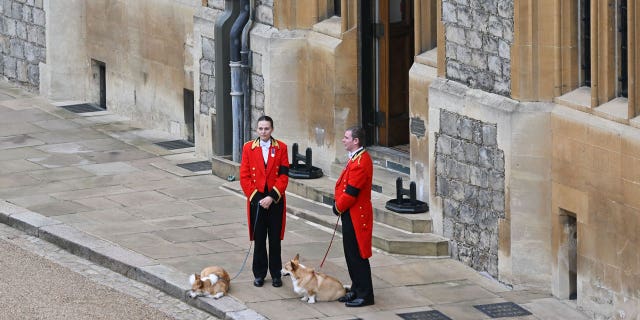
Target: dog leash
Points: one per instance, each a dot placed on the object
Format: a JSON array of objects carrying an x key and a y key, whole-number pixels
[
  {"x": 250, "y": 244},
  {"x": 330, "y": 243}
]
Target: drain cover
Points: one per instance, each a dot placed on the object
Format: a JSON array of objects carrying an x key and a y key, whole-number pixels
[
  {"x": 175, "y": 144},
  {"x": 82, "y": 108},
  {"x": 424, "y": 315},
  {"x": 196, "y": 166},
  {"x": 504, "y": 309}
]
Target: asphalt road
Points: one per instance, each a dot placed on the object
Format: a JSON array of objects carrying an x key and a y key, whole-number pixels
[{"x": 35, "y": 287}]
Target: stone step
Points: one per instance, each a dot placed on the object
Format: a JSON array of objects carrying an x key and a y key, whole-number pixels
[
  {"x": 386, "y": 238},
  {"x": 384, "y": 180},
  {"x": 389, "y": 158},
  {"x": 321, "y": 190}
]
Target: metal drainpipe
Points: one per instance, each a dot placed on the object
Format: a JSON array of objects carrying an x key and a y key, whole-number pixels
[
  {"x": 245, "y": 55},
  {"x": 222, "y": 134},
  {"x": 237, "y": 95}
]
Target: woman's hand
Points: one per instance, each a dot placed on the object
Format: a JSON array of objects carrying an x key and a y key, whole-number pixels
[{"x": 266, "y": 202}]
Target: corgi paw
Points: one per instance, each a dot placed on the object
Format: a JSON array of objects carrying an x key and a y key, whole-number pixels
[
  {"x": 312, "y": 299},
  {"x": 304, "y": 298},
  {"x": 218, "y": 295}
]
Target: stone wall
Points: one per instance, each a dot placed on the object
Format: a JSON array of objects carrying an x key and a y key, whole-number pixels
[
  {"x": 470, "y": 180},
  {"x": 207, "y": 75},
  {"x": 478, "y": 35},
  {"x": 264, "y": 12},
  {"x": 22, "y": 41}
]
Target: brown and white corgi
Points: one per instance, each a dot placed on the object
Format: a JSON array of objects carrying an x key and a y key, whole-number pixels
[
  {"x": 212, "y": 281},
  {"x": 313, "y": 286}
]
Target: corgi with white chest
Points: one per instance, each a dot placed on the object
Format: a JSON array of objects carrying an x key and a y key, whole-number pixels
[
  {"x": 212, "y": 281},
  {"x": 313, "y": 286}
]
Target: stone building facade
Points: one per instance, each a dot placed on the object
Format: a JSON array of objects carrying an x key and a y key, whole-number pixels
[{"x": 524, "y": 130}]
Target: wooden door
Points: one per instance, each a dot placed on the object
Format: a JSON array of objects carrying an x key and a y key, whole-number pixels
[{"x": 395, "y": 55}]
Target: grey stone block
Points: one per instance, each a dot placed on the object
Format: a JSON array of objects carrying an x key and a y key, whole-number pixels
[
  {"x": 442, "y": 186},
  {"x": 496, "y": 180},
  {"x": 27, "y": 15},
  {"x": 39, "y": 18},
  {"x": 208, "y": 49},
  {"x": 10, "y": 27},
  {"x": 33, "y": 74},
  {"x": 10, "y": 67},
  {"x": 257, "y": 83},
  {"x": 479, "y": 177},
  {"x": 21, "y": 70},
  {"x": 16, "y": 10},
  {"x": 456, "y": 190},
  {"x": 449, "y": 12},
  {"x": 38, "y": 4},
  {"x": 467, "y": 213},
  {"x": 443, "y": 145},
  {"x": 449, "y": 123},
  {"x": 69, "y": 238},
  {"x": 16, "y": 48},
  {"x": 464, "y": 17},
  {"x": 485, "y": 157},
  {"x": 174, "y": 283},
  {"x": 206, "y": 67},
  {"x": 497, "y": 198},
  {"x": 30, "y": 222},
  {"x": 466, "y": 128},
  {"x": 489, "y": 134}
]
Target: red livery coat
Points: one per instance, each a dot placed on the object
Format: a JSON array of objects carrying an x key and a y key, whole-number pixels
[
  {"x": 357, "y": 174},
  {"x": 254, "y": 175}
]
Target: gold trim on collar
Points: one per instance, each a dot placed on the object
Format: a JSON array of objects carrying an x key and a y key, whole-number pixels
[
  {"x": 357, "y": 155},
  {"x": 256, "y": 143}
]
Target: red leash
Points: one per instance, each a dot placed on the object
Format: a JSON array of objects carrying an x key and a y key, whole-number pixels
[{"x": 331, "y": 242}]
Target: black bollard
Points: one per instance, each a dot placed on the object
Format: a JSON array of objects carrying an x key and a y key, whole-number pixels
[
  {"x": 302, "y": 168},
  {"x": 406, "y": 205}
]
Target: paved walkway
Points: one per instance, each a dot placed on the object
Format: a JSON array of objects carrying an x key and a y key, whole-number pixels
[{"x": 97, "y": 185}]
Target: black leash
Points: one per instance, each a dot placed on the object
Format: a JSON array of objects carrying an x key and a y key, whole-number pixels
[{"x": 250, "y": 243}]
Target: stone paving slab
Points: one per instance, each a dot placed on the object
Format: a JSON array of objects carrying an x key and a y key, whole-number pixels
[{"x": 135, "y": 213}]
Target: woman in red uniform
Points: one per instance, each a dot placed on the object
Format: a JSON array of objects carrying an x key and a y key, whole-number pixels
[{"x": 264, "y": 177}]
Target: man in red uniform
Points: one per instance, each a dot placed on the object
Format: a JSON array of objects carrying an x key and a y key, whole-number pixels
[
  {"x": 264, "y": 177},
  {"x": 353, "y": 205}
]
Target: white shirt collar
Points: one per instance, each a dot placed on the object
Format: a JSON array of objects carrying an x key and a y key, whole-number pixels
[
  {"x": 265, "y": 144},
  {"x": 351, "y": 154}
]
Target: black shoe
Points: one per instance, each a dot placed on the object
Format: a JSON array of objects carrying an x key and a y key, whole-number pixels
[
  {"x": 276, "y": 282},
  {"x": 258, "y": 282},
  {"x": 350, "y": 296},
  {"x": 359, "y": 302}
]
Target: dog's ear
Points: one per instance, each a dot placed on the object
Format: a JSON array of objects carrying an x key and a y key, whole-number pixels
[
  {"x": 297, "y": 258},
  {"x": 193, "y": 278},
  {"x": 294, "y": 265}
]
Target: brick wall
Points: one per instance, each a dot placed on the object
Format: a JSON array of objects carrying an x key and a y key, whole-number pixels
[
  {"x": 22, "y": 41},
  {"x": 470, "y": 180},
  {"x": 478, "y": 35}
]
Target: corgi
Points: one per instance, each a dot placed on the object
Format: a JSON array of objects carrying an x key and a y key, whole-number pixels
[
  {"x": 313, "y": 286},
  {"x": 212, "y": 281}
]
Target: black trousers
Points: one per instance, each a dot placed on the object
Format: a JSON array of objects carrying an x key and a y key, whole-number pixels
[
  {"x": 359, "y": 268},
  {"x": 268, "y": 225}
]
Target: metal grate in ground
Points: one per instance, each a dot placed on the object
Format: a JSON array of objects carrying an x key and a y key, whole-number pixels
[
  {"x": 82, "y": 108},
  {"x": 503, "y": 309},
  {"x": 196, "y": 166},
  {"x": 424, "y": 315},
  {"x": 175, "y": 144}
]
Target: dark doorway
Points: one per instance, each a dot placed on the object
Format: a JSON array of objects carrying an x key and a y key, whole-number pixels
[
  {"x": 387, "y": 51},
  {"x": 99, "y": 84},
  {"x": 188, "y": 114}
]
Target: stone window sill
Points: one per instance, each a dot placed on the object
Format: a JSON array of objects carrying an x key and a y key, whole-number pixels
[
  {"x": 429, "y": 58},
  {"x": 579, "y": 99},
  {"x": 614, "y": 110},
  {"x": 331, "y": 27}
]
